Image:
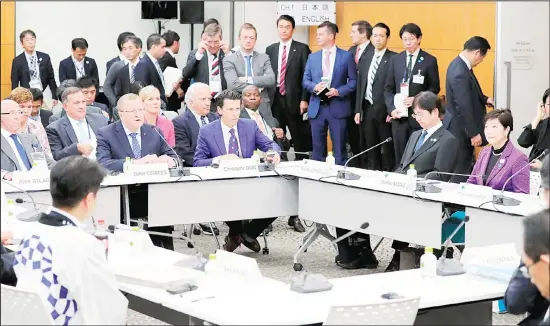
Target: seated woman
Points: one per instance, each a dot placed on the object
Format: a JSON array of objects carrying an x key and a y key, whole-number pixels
[
  {"x": 150, "y": 96},
  {"x": 537, "y": 134},
  {"x": 499, "y": 161}
]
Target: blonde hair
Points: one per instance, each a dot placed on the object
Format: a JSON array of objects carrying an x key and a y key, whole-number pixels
[
  {"x": 248, "y": 26},
  {"x": 20, "y": 95},
  {"x": 145, "y": 91}
]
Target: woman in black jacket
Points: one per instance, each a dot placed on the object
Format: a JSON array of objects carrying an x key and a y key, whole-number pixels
[{"x": 537, "y": 133}]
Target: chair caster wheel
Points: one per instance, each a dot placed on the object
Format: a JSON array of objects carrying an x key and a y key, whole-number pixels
[
  {"x": 265, "y": 251},
  {"x": 190, "y": 245},
  {"x": 298, "y": 267},
  {"x": 197, "y": 231}
]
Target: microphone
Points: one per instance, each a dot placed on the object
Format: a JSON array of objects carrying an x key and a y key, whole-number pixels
[
  {"x": 343, "y": 174},
  {"x": 299, "y": 153},
  {"x": 430, "y": 188},
  {"x": 30, "y": 215},
  {"x": 503, "y": 200},
  {"x": 448, "y": 267},
  {"x": 178, "y": 170},
  {"x": 361, "y": 227}
]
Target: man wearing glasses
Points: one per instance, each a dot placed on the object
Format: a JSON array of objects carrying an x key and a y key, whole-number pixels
[{"x": 18, "y": 150}]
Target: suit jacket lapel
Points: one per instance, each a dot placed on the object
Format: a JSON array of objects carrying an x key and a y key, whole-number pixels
[
  {"x": 409, "y": 154},
  {"x": 428, "y": 142},
  {"x": 291, "y": 54},
  {"x": 501, "y": 162},
  {"x": 123, "y": 139},
  {"x": 27, "y": 145},
  {"x": 25, "y": 65},
  {"x": 336, "y": 63},
  {"x": 476, "y": 83},
  {"x": 218, "y": 137},
  {"x": 69, "y": 130},
  {"x": 193, "y": 124},
  {"x": 242, "y": 140},
  {"x": 204, "y": 66},
  {"x": 6, "y": 148},
  {"x": 92, "y": 124},
  {"x": 86, "y": 63},
  {"x": 146, "y": 143},
  {"x": 383, "y": 62}
]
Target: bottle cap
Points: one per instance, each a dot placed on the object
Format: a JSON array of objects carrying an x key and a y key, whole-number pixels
[
  {"x": 212, "y": 257},
  {"x": 411, "y": 166},
  {"x": 127, "y": 158},
  {"x": 100, "y": 222},
  {"x": 329, "y": 153},
  {"x": 429, "y": 250}
]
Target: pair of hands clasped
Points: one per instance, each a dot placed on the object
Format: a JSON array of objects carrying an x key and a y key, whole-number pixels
[{"x": 332, "y": 92}]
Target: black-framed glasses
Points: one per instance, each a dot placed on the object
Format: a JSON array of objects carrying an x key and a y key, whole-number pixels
[
  {"x": 525, "y": 269},
  {"x": 14, "y": 113}
]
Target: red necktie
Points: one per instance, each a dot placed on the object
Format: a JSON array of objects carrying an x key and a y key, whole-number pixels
[
  {"x": 282, "y": 89},
  {"x": 357, "y": 54}
]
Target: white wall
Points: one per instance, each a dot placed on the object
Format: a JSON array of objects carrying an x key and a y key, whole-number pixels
[{"x": 523, "y": 32}]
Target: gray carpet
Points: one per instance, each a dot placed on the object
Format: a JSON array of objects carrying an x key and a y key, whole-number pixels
[{"x": 283, "y": 243}]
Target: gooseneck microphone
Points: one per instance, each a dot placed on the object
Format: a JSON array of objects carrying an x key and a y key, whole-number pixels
[
  {"x": 29, "y": 215},
  {"x": 178, "y": 170},
  {"x": 346, "y": 175},
  {"x": 448, "y": 267},
  {"x": 429, "y": 188}
]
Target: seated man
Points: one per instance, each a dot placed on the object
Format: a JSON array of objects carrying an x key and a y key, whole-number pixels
[
  {"x": 58, "y": 111},
  {"x": 61, "y": 262},
  {"x": 232, "y": 138},
  {"x": 76, "y": 132},
  {"x": 90, "y": 87},
  {"x": 17, "y": 149},
  {"x": 130, "y": 137},
  {"x": 37, "y": 113}
]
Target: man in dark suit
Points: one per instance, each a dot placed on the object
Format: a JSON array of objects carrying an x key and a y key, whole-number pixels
[
  {"x": 120, "y": 57},
  {"x": 338, "y": 67},
  {"x": 433, "y": 148},
  {"x": 78, "y": 64},
  {"x": 361, "y": 32},
  {"x": 37, "y": 113},
  {"x": 90, "y": 87},
  {"x": 148, "y": 70},
  {"x": 290, "y": 100},
  {"x": 466, "y": 103},
  {"x": 75, "y": 133},
  {"x": 169, "y": 60},
  {"x": 409, "y": 73},
  {"x": 370, "y": 109},
  {"x": 32, "y": 69},
  {"x": 130, "y": 137}
]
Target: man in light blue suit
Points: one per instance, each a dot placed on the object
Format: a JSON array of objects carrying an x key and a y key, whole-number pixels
[{"x": 338, "y": 70}]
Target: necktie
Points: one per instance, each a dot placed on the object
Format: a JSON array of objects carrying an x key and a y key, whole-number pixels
[
  {"x": 34, "y": 74},
  {"x": 357, "y": 54},
  {"x": 248, "y": 66},
  {"x": 215, "y": 65},
  {"x": 135, "y": 146},
  {"x": 132, "y": 75},
  {"x": 203, "y": 121},
  {"x": 233, "y": 144},
  {"x": 372, "y": 73},
  {"x": 160, "y": 74},
  {"x": 282, "y": 89},
  {"x": 21, "y": 151},
  {"x": 259, "y": 122},
  {"x": 409, "y": 68},
  {"x": 84, "y": 131},
  {"x": 326, "y": 65},
  {"x": 420, "y": 140},
  {"x": 79, "y": 70}
]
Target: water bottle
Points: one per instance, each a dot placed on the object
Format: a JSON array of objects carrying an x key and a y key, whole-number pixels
[
  {"x": 428, "y": 263},
  {"x": 330, "y": 159},
  {"x": 102, "y": 234},
  {"x": 411, "y": 176},
  {"x": 126, "y": 166},
  {"x": 256, "y": 157}
]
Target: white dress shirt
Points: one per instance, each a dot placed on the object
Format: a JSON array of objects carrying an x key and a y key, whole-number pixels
[
  {"x": 7, "y": 135},
  {"x": 198, "y": 117},
  {"x": 84, "y": 134},
  {"x": 433, "y": 129},
  {"x": 377, "y": 57},
  {"x": 362, "y": 48},
  {"x": 35, "y": 82},
  {"x": 268, "y": 132},
  {"x": 79, "y": 67},
  {"x": 215, "y": 82},
  {"x": 138, "y": 137},
  {"x": 466, "y": 61},
  {"x": 332, "y": 58},
  {"x": 170, "y": 51},
  {"x": 281, "y": 47},
  {"x": 227, "y": 135},
  {"x": 414, "y": 59}
]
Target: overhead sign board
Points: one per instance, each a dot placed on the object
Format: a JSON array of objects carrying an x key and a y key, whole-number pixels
[{"x": 310, "y": 13}]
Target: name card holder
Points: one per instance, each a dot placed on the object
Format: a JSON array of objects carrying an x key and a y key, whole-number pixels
[
  {"x": 495, "y": 261},
  {"x": 242, "y": 168},
  {"x": 393, "y": 180},
  {"x": 143, "y": 173},
  {"x": 34, "y": 179},
  {"x": 322, "y": 169},
  {"x": 483, "y": 193}
]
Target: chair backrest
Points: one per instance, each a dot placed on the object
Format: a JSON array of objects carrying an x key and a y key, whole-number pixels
[
  {"x": 20, "y": 307},
  {"x": 392, "y": 312},
  {"x": 169, "y": 114}
]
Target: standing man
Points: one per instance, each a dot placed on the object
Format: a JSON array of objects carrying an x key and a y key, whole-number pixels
[
  {"x": 361, "y": 32},
  {"x": 148, "y": 70},
  {"x": 338, "y": 67},
  {"x": 78, "y": 64},
  {"x": 37, "y": 113},
  {"x": 120, "y": 57},
  {"x": 249, "y": 67},
  {"x": 205, "y": 64},
  {"x": 370, "y": 109},
  {"x": 32, "y": 69},
  {"x": 466, "y": 103},
  {"x": 290, "y": 100},
  {"x": 169, "y": 60},
  {"x": 410, "y": 72}
]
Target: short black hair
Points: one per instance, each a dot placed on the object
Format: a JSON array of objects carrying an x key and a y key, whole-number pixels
[
  {"x": 363, "y": 27},
  {"x": 136, "y": 87},
  {"x": 134, "y": 39},
  {"x": 545, "y": 172},
  {"x": 384, "y": 26},
  {"x": 504, "y": 116},
  {"x": 545, "y": 95},
  {"x": 79, "y": 43},
  {"x": 332, "y": 27},
  {"x": 227, "y": 95},
  {"x": 427, "y": 101},
  {"x": 411, "y": 28},
  {"x": 288, "y": 18},
  {"x": 477, "y": 43},
  {"x": 86, "y": 82},
  {"x": 37, "y": 94},
  {"x": 210, "y": 21},
  {"x": 171, "y": 37},
  {"x": 24, "y": 33},
  {"x": 121, "y": 38},
  {"x": 535, "y": 235},
  {"x": 63, "y": 86},
  {"x": 153, "y": 39},
  {"x": 73, "y": 178}
]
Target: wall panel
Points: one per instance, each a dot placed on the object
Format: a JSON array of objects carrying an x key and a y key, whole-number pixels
[{"x": 7, "y": 51}]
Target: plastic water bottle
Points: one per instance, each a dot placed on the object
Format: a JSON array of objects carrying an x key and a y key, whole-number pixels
[
  {"x": 411, "y": 176},
  {"x": 211, "y": 268},
  {"x": 428, "y": 263},
  {"x": 10, "y": 207},
  {"x": 256, "y": 157},
  {"x": 102, "y": 234},
  {"x": 330, "y": 159},
  {"x": 126, "y": 166}
]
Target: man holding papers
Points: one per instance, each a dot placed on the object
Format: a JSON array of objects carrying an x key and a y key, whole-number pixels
[{"x": 170, "y": 69}]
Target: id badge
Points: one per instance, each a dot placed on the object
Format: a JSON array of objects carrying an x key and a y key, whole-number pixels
[
  {"x": 34, "y": 83},
  {"x": 39, "y": 160},
  {"x": 404, "y": 89},
  {"x": 418, "y": 78},
  {"x": 216, "y": 86}
]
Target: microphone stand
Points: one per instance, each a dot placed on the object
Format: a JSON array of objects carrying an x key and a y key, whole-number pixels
[
  {"x": 346, "y": 175},
  {"x": 178, "y": 170},
  {"x": 449, "y": 267}
]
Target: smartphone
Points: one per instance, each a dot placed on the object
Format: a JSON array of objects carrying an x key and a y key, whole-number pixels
[{"x": 179, "y": 287}]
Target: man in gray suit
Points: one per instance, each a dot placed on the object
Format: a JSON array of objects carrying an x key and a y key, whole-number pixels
[
  {"x": 59, "y": 111},
  {"x": 18, "y": 151},
  {"x": 75, "y": 133},
  {"x": 248, "y": 67}
]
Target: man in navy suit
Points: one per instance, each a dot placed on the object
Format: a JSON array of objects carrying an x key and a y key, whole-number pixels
[
  {"x": 338, "y": 66},
  {"x": 232, "y": 138},
  {"x": 148, "y": 70},
  {"x": 90, "y": 87},
  {"x": 78, "y": 64},
  {"x": 32, "y": 69},
  {"x": 416, "y": 69},
  {"x": 120, "y": 57},
  {"x": 130, "y": 137}
]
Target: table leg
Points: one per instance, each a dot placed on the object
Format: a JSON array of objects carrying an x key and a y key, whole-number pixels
[{"x": 126, "y": 204}]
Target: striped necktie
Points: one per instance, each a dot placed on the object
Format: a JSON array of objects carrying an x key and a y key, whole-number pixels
[
  {"x": 215, "y": 65},
  {"x": 282, "y": 76},
  {"x": 372, "y": 73}
]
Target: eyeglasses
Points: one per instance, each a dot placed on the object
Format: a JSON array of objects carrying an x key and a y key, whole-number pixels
[
  {"x": 213, "y": 43},
  {"x": 29, "y": 39},
  {"x": 418, "y": 115},
  {"x": 14, "y": 113},
  {"x": 525, "y": 269},
  {"x": 133, "y": 111}
]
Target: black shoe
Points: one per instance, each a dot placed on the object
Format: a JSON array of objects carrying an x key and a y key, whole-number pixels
[
  {"x": 361, "y": 262},
  {"x": 206, "y": 229},
  {"x": 296, "y": 224},
  {"x": 197, "y": 230},
  {"x": 250, "y": 243}
]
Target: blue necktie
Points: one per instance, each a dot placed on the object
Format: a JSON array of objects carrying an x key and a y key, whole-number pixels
[
  {"x": 233, "y": 144},
  {"x": 420, "y": 140},
  {"x": 203, "y": 121},
  {"x": 248, "y": 66},
  {"x": 135, "y": 146},
  {"x": 21, "y": 151}
]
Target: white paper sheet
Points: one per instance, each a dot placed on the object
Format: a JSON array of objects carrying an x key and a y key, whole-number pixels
[{"x": 171, "y": 75}]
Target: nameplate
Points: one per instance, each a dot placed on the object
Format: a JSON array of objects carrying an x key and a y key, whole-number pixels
[
  {"x": 237, "y": 266},
  {"x": 241, "y": 168},
  {"x": 35, "y": 179},
  {"x": 483, "y": 193},
  {"x": 496, "y": 261},
  {"x": 149, "y": 172},
  {"x": 394, "y": 180},
  {"x": 317, "y": 167}
]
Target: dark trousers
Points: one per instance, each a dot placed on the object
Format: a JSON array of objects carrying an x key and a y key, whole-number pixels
[
  {"x": 351, "y": 248},
  {"x": 401, "y": 131},
  {"x": 323, "y": 122},
  {"x": 299, "y": 129},
  {"x": 354, "y": 140},
  {"x": 139, "y": 208},
  {"x": 173, "y": 103},
  {"x": 374, "y": 129},
  {"x": 464, "y": 163},
  {"x": 252, "y": 229}
]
